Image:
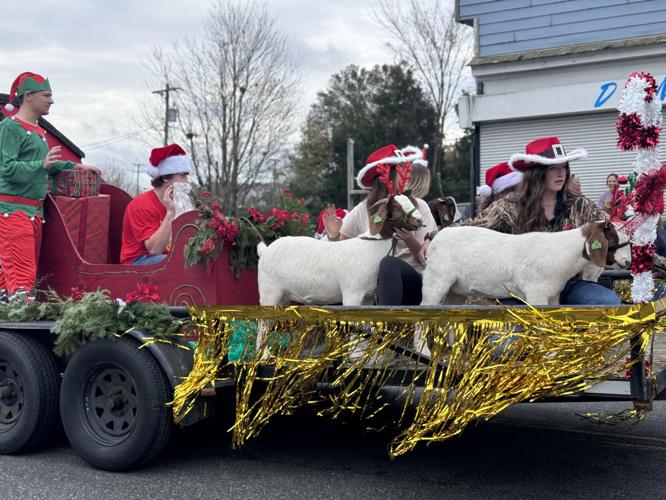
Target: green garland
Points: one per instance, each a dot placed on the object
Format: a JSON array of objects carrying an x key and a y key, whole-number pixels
[{"x": 84, "y": 317}]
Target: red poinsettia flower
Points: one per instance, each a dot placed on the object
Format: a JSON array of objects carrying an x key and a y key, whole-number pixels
[
  {"x": 76, "y": 293},
  {"x": 143, "y": 293},
  {"x": 256, "y": 215},
  {"x": 232, "y": 233},
  {"x": 205, "y": 194},
  {"x": 207, "y": 247}
]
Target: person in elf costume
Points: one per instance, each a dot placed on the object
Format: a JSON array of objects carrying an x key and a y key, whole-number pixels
[
  {"x": 26, "y": 162},
  {"x": 147, "y": 222}
]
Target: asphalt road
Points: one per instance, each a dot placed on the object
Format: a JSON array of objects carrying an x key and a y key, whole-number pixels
[{"x": 530, "y": 451}]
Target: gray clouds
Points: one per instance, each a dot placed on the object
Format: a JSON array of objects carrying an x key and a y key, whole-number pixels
[{"x": 93, "y": 51}]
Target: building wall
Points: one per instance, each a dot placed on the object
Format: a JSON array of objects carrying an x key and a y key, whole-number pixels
[{"x": 513, "y": 26}]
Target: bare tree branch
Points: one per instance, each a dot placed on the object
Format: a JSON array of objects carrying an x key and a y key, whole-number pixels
[
  {"x": 239, "y": 97},
  {"x": 425, "y": 34}
]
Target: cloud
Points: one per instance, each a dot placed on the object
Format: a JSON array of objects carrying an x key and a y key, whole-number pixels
[{"x": 94, "y": 53}]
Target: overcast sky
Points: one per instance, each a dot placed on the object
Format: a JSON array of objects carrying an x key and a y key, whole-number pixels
[{"x": 93, "y": 52}]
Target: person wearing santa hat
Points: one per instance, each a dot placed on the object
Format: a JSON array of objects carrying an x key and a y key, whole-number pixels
[
  {"x": 387, "y": 171},
  {"x": 146, "y": 232},
  {"x": 500, "y": 181},
  {"x": 26, "y": 162},
  {"x": 544, "y": 201}
]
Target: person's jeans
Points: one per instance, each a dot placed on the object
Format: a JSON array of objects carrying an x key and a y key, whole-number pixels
[
  {"x": 145, "y": 260},
  {"x": 579, "y": 292}
]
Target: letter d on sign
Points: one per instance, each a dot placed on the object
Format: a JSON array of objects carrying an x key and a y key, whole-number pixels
[{"x": 607, "y": 91}]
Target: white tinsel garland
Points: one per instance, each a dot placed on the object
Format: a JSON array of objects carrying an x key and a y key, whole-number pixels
[
  {"x": 646, "y": 233},
  {"x": 642, "y": 287},
  {"x": 646, "y": 160},
  {"x": 634, "y": 100}
]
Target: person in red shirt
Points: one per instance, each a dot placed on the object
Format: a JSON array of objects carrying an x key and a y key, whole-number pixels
[{"x": 146, "y": 233}]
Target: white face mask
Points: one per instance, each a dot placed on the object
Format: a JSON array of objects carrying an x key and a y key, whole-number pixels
[{"x": 181, "y": 197}]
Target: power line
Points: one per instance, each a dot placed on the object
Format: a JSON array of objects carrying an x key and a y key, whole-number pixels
[{"x": 114, "y": 140}]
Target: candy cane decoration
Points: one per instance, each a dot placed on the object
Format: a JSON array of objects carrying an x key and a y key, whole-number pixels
[{"x": 638, "y": 128}]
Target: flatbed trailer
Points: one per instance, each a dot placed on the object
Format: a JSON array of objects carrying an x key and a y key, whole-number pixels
[{"x": 120, "y": 398}]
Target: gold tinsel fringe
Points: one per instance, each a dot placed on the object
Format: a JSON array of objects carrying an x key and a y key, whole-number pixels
[{"x": 484, "y": 359}]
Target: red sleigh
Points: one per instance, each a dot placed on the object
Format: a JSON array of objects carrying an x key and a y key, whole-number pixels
[{"x": 62, "y": 266}]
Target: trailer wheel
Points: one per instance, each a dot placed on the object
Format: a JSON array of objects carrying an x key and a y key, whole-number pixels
[
  {"x": 29, "y": 383},
  {"x": 113, "y": 404}
]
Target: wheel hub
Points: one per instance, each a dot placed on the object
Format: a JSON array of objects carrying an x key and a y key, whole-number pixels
[
  {"x": 111, "y": 403},
  {"x": 11, "y": 394}
]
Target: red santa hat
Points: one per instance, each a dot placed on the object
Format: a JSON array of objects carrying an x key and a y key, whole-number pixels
[
  {"x": 499, "y": 178},
  {"x": 26, "y": 82},
  {"x": 171, "y": 159},
  {"x": 545, "y": 151},
  {"x": 383, "y": 157}
]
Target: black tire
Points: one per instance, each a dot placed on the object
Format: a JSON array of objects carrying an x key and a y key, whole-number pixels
[
  {"x": 29, "y": 384},
  {"x": 113, "y": 404}
]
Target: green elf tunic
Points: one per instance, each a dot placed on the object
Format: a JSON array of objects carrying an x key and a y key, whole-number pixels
[{"x": 22, "y": 151}]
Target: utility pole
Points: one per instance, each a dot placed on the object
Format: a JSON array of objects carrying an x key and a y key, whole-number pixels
[
  {"x": 170, "y": 114},
  {"x": 350, "y": 174},
  {"x": 138, "y": 171}
]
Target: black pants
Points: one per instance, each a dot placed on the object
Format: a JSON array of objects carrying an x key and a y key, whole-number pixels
[{"x": 398, "y": 283}]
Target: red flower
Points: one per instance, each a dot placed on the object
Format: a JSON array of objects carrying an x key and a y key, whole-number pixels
[
  {"x": 282, "y": 216},
  {"x": 76, "y": 293},
  {"x": 207, "y": 247},
  {"x": 568, "y": 227},
  {"x": 301, "y": 201},
  {"x": 216, "y": 208},
  {"x": 232, "y": 233},
  {"x": 256, "y": 215},
  {"x": 143, "y": 293},
  {"x": 305, "y": 218},
  {"x": 205, "y": 194}
]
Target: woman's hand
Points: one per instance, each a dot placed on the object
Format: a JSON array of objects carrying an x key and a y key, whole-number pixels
[
  {"x": 422, "y": 255},
  {"x": 412, "y": 242},
  {"x": 332, "y": 223}
]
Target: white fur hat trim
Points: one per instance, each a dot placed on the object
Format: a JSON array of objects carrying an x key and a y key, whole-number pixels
[
  {"x": 179, "y": 164},
  {"x": 576, "y": 154}
]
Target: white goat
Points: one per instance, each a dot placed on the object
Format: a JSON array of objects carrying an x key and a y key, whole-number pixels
[
  {"x": 464, "y": 261},
  {"x": 310, "y": 271}
]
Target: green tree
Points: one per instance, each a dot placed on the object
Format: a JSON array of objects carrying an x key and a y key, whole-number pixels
[
  {"x": 457, "y": 167},
  {"x": 374, "y": 107}
]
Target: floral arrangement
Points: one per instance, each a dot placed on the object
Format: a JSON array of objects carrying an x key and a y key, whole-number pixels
[
  {"x": 639, "y": 127},
  {"x": 240, "y": 235}
]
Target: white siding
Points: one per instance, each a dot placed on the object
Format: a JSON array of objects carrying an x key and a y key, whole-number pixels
[{"x": 594, "y": 132}]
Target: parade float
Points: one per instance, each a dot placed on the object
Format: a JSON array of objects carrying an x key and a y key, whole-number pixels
[{"x": 123, "y": 354}]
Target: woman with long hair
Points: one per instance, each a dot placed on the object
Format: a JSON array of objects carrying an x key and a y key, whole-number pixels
[
  {"x": 387, "y": 171},
  {"x": 544, "y": 201}
]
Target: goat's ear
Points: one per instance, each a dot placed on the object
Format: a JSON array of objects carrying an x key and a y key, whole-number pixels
[
  {"x": 378, "y": 215},
  {"x": 596, "y": 244}
]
